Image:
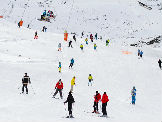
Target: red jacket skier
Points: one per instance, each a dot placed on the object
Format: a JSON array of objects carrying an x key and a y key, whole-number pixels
[
  {"x": 97, "y": 98},
  {"x": 104, "y": 104},
  {"x": 58, "y": 87}
]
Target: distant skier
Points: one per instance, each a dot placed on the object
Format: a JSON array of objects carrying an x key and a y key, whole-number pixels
[
  {"x": 159, "y": 63},
  {"x": 104, "y": 104},
  {"x": 97, "y": 98},
  {"x": 81, "y": 46},
  {"x": 44, "y": 29},
  {"x": 95, "y": 46},
  {"x": 86, "y": 40},
  {"x": 82, "y": 34},
  {"x": 70, "y": 44},
  {"x": 70, "y": 101},
  {"x": 58, "y": 87},
  {"x": 36, "y": 35},
  {"x": 96, "y": 36},
  {"x": 101, "y": 38},
  {"x": 74, "y": 37},
  {"x": 141, "y": 53},
  {"x": 28, "y": 26},
  {"x": 133, "y": 93},
  {"x": 25, "y": 81},
  {"x": 72, "y": 84},
  {"x": 71, "y": 63},
  {"x": 107, "y": 42},
  {"x": 59, "y": 67},
  {"x": 20, "y": 23},
  {"x": 91, "y": 37},
  {"x": 90, "y": 78},
  {"x": 59, "y": 47}
]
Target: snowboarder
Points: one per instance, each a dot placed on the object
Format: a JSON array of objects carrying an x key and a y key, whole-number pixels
[
  {"x": 74, "y": 37},
  {"x": 36, "y": 35},
  {"x": 59, "y": 47},
  {"x": 59, "y": 67},
  {"x": 95, "y": 46},
  {"x": 104, "y": 104},
  {"x": 70, "y": 44},
  {"x": 72, "y": 84},
  {"x": 133, "y": 93},
  {"x": 44, "y": 13},
  {"x": 81, "y": 47},
  {"x": 97, "y": 98},
  {"x": 71, "y": 63},
  {"x": 86, "y": 40},
  {"x": 90, "y": 78},
  {"x": 58, "y": 87},
  {"x": 70, "y": 101},
  {"x": 107, "y": 42},
  {"x": 96, "y": 36},
  {"x": 25, "y": 81},
  {"x": 141, "y": 53},
  {"x": 159, "y": 63}
]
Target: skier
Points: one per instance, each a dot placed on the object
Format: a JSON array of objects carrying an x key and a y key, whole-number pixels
[
  {"x": 141, "y": 53},
  {"x": 44, "y": 29},
  {"x": 86, "y": 40},
  {"x": 133, "y": 93},
  {"x": 81, "y": 47},
  {"x": 104, "y": 104},
  {"x": 70, "y": 44},
  {"x": 59, "y": 47},
  {"x": 101, "y": 38},
  {"x": 58, "y": 87},
  {"x": 20, "y": 23},
  {"x": 36, "y": 35},
  {"x": 71, "y": 63},
  {"x": 74, "y": 37},
  {"x": 59, "y": 67},
  {"x": 107, "y": 42},
  {"x": 82, "y": 34},
  {"x": 90, "y": 78},
  {"x": 95, "y": 46},
  {"x": 97, "y": 98},
  {"x": 70, "y": 101},
  {"x": 96, "y": 36},
  {"x": 72, "y": 84},
  {"x": 28, "y": 26},
  {"x": 25, "y": 81},
  {"x": 91, "y": 37},
  {"x": 159, "y": 63}
]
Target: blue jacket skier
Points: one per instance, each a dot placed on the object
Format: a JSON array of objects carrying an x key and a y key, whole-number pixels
[
  {"x": 133, "y": 93},
  {"x": 71, "y": 63}
]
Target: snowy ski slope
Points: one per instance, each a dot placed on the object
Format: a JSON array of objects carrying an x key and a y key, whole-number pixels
[{"x": 123, "y": 22}]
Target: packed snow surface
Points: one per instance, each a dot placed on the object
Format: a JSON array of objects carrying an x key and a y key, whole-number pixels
[{"x": 124, "y": 22}]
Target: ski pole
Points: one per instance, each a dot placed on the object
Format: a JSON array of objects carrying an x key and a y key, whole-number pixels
[
  {"x": 32, "y": 89},
  {"x": 18, "y": 87}
]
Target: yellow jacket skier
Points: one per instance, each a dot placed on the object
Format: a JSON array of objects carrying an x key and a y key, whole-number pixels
[{"x": 72, "y": 83}]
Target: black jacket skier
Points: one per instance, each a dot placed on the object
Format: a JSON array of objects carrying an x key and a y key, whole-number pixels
[
  {"x": 70, "y": 44},
  {"x": 25, "y": 81},
  {"x": 70, "y": 101},
  {"x": 159, "y": 63}
]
